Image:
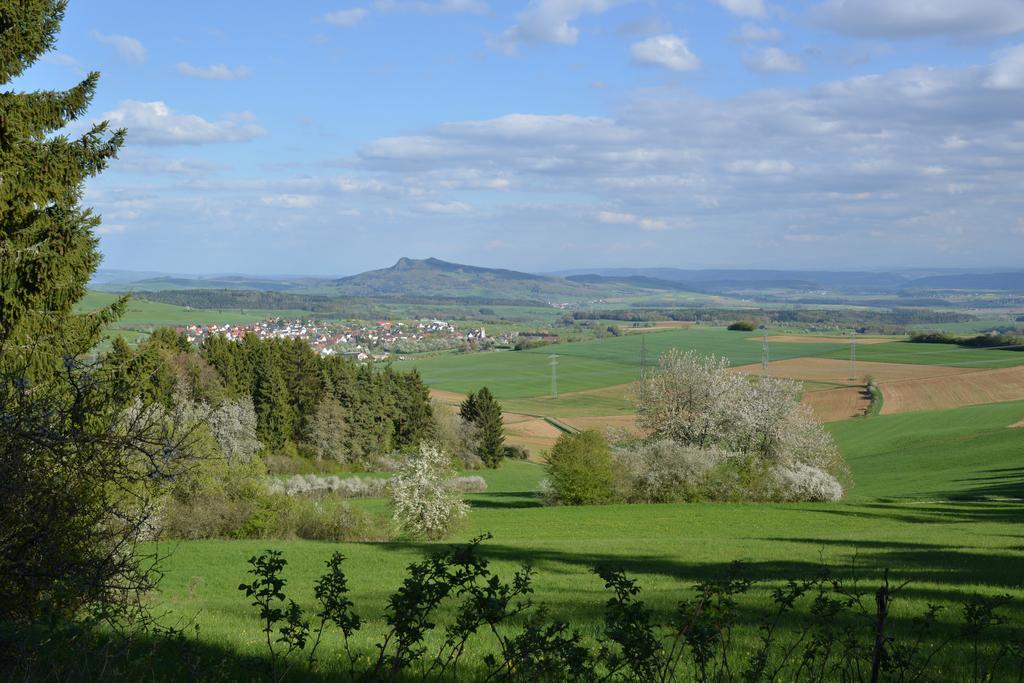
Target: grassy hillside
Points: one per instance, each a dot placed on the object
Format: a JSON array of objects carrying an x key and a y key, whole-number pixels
[{"x": 937, "y": 500}]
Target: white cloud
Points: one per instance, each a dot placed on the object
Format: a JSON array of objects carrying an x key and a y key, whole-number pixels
[
  {"x": 438, "y": 7},
  {"x": 903, "y": 19},
  {"x": 773, "y": 59},
  {"x": 619, "y": 218},
  {"x": 668, "y": 51},
  {"x": 128, "y": 49},
  {"x": 346, "y": 17},
  {"x": 761, "y": 167},
  {"x": 61, "y": 59},
  {"x": 216, "y": 72},
  {"x": 447, "y": 208},
  {"x": 744, "y": 8},
  {"x": 549, "y": 21},
  {"x": 290, "y": 201},
  {"x": 155, "y": 123},
  {"x": 1007, "y": 73},
  {"x": 752, "y": 33}
]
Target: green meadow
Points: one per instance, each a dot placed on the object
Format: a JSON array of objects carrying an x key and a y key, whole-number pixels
[
  {"x": 938, "y": 499},
  {"x": 152, "y": 314},
  {"x": 933, "y": 354},
  {"x": 583, "y": 366}
]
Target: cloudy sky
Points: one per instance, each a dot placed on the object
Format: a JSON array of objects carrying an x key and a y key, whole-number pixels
[{"x": 330, "y": 137}]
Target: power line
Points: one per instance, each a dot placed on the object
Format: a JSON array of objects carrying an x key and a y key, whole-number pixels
[
  {"x": 554, "y": 374},
  {"x": 853, "y": 355},
  {"x": 643, "y": 355},
  {"x": 764, "y": 353}
]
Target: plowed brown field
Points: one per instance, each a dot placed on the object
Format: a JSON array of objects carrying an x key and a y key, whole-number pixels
[
  {"x": 830, "y": 405},
  {"x": 838, "y": 371},
  {"x": 935, "y": 393}
]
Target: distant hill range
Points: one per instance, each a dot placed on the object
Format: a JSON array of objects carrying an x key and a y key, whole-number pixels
[
  {"x": 728, "y": 280},
  {"x": 434, "y": 278},
  {"x": 1011, "y": 282}
]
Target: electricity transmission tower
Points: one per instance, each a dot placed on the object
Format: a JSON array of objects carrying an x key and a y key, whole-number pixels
[
  {"x": 643, "y": 355},
  {"x": 853, "y": 355},
  {"x": 554, "y": 375},
  {"x": 764, "y": 353}
]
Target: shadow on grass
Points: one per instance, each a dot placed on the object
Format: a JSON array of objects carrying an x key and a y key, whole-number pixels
[
  {"x": 510, "y": 500},
  {"x": 1005, "y": 482}
]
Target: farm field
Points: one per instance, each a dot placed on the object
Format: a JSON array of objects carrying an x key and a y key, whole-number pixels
[
  {"x": 596, "y": 378},
  {"x": 838, "y": 403},
  {"x": 937, "y": 499},
  {"x": 932, "y": 354},
  {"x": 154, "y": 314},
  {"x": 593, "y": 364},
  {"x": 934, "y": 393}
]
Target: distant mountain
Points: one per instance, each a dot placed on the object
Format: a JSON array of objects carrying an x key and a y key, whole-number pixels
[
  {"x": 437, "y": 278},
  {"x": 1012, "y": 282}
]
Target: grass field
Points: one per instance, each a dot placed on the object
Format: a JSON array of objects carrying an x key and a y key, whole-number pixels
[
  {"x": 143, "y": 313},
  {"x": 592, "y": 364},
  {"x": 939, "y": 499},
  {"x": 933, "y": 354},
  {"x": 583, "y": 366}
]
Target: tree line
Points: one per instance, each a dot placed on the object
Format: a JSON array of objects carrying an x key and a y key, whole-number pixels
[{"x": 326, "y": 406}]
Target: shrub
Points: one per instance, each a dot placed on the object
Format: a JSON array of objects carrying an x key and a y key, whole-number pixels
[
  {"x": 743, "y": 326},
  {"x": 517, "y": 452},
  {"x": 422, "y": 501},
  {"x": 667, "y": 472},
  {"x": 799, "y": 482},
  {"x": 695, "y": 401},
  {"x": 311, "y": 485},
  {"x": 580, "y": 469},
  {"x": 472, "y": 484}
]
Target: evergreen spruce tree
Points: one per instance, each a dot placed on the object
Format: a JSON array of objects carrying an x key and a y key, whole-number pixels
[
  {"x": 47, "y": 246},
  {"x": 484, "y": 412},
  {"x": 274, "y": 414},
  {"x": 492, "y": 431},
  {"x": 81, "y": 455},
  {"x": 467, "y": 409}
]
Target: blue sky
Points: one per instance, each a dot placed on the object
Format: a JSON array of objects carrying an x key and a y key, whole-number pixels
[{"x": 332, "y": 137}]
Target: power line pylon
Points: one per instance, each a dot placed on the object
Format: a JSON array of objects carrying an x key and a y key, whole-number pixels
[
  {"x": 554, "y": 374},
  {"x": 764, "y": 353}
]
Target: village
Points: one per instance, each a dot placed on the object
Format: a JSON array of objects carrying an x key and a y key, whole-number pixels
[{"x": 363, "y": 341}]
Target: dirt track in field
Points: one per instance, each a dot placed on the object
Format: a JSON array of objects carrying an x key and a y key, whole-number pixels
[
  {"x": 838, "y": 371},
  {"x": 529, "y": 431},
  {"x": 842, "y": 403},
  {"x": 603, "y": 422},
  {"x": 935, "y": 393}
]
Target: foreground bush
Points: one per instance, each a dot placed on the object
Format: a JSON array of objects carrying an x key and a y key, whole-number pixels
[
  {"x": 580, "y": 470},
  {"x": 422, "y": 501}
]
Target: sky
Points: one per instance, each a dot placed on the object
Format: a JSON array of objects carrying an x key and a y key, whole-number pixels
[{"x": 331, "y": 137}]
